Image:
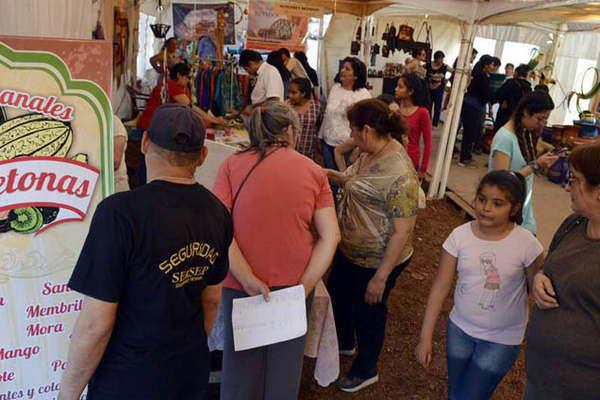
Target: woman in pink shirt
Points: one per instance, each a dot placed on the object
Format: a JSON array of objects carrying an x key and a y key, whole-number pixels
[
  {"x": 276, "y": 195},
  {"x": 414, "y": 107}
]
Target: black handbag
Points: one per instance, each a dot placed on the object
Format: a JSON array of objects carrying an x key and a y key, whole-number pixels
[
  {"x": 385, "y": 51},
  {"x": 384, "y": 37},
  {"x": 391, "y": 39},
  {"x": 427, "y": 45}
]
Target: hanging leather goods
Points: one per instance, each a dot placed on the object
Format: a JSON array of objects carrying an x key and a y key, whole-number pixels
[
  {"x": 405, "y": 32},
  {"x": 391, "y": 39},
  {"x": 384, "y": 37},
  {"x": 427, "y": 45}
]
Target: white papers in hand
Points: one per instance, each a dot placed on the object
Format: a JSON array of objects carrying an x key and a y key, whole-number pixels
[{"x": 259, "y": 323}]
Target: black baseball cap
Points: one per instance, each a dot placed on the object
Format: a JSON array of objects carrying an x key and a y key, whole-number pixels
[{"x": 177, "y": 128}]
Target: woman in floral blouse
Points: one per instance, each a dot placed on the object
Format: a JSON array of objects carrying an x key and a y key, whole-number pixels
[
  {"x": 377, "y": 216},
  {"x": 300, "y": 98}
]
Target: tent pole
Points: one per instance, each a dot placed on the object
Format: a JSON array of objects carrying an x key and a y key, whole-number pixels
[
  {"x": 463, "y": 77},
  {"x": 454, "y": 92},
  {"x": 365, "y": 39},
  {"x": 556, "y": 44}
]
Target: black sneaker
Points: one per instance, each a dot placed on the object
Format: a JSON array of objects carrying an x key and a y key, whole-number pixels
[{"x": 351, "y": 384}]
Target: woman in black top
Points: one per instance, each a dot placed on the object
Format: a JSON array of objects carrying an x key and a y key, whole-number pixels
[
  {"x": 436, "y": 81},
  {"x": 274, "y": 58},
  {"x": 473, "y": 108}
]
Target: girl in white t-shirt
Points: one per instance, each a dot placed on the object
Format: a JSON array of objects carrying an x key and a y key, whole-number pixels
[{"x": 495, "y": 259}]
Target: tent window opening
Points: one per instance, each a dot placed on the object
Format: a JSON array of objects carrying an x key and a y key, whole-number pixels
[
  {"x": 146, "y": 48},
  {"x": 581, "y": 79},
  {"x": 312, "y": 42},
  {"x": 517, "y": 53},
  {"x": 484, "y": 46}
]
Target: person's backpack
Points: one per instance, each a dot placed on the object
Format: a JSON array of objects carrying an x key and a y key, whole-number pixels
[{"x": 572, "y": 222}]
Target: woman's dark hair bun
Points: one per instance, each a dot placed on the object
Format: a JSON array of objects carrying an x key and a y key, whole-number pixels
[{"x": 377, "y": 114}]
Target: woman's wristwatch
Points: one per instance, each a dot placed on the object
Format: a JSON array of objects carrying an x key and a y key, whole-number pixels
[{"x": 535, "y": 167}]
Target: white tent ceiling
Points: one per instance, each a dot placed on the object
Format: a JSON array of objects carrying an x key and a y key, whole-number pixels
[{"x": 579, "y": 15}]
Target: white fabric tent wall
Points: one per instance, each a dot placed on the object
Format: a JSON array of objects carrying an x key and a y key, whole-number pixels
[
  {"x": 576, "y": 45},
  {"x": 340, "y": 33},
  {"x": 69, "y": 19},
  {"x": 514, "y": 34}
]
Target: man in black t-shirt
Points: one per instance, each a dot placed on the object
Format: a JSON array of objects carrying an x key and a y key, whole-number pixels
[{"x": 149, "y": 271}]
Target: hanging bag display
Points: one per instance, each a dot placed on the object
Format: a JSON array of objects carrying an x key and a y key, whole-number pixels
[
  {"x": 405, "y": 32},
  {"x": 384, "y": 37},
  {"x": 427, "y": 45},
  {"x": 404, "y": 38},
  {"x": 391, "y": 39},
  {"x": 385, "y": 51}
]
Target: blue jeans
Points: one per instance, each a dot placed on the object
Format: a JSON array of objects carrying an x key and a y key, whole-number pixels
[
  {"x": 328, "y": 155},
  {"x": 475, "y": 366}
]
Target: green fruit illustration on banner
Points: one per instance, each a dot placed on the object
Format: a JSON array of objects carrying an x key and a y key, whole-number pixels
[
  {"x": 26, "y": 220},
  {"x": 33, "y": 135}
]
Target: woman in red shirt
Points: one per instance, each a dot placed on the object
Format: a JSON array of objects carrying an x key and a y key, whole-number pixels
[
  {"x": 413, "y": 96},
  {"x": 178, "y": 91}
]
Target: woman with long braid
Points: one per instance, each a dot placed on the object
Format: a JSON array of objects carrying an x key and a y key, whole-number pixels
[{"x": 513, "y": 146}]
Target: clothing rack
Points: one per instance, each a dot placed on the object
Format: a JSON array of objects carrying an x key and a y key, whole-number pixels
[{"x": 227, "y": 63}]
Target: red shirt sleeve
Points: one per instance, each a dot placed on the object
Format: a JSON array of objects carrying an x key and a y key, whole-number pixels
[
  {"x": 152, "y": 104},
  {"x": 425, "y": 123},
  {"x": 175, "y": 90}
]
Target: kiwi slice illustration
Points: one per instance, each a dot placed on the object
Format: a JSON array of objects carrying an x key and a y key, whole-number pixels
[
  {"x": 49, "y": 214},
  {"x": 26, "y": 220}
]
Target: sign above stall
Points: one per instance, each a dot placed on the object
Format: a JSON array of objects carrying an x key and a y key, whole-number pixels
[
  {"x": 55, "y": 167},
  {"x": 276, "y": 24}
]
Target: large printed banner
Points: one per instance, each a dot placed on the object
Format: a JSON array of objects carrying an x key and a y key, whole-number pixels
[
  {"x": 194, "y": 21},
  {"x": 55, "y": 166},
  {"x": 274, "y": 24}
]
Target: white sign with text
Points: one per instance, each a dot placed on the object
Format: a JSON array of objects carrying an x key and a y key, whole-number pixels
[{"x": 257, "y": 322}]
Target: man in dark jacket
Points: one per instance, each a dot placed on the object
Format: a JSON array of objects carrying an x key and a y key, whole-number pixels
[{"x": 510, "y": 93}]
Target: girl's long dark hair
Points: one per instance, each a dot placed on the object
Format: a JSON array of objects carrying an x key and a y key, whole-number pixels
[
  {"x": 420, "y": 91},
  {"x": 274, "y": 58},
  {"x": 533, "y": 103},
  {"x": 312, "y": 74},
  {"x": 513, "y": 186}
]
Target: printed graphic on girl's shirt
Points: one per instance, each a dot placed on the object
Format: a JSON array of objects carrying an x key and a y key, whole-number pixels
[{"x": 492, "y": 281}]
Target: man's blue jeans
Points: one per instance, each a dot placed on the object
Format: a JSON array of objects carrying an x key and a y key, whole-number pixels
[{"x": 475, "y": 366}]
